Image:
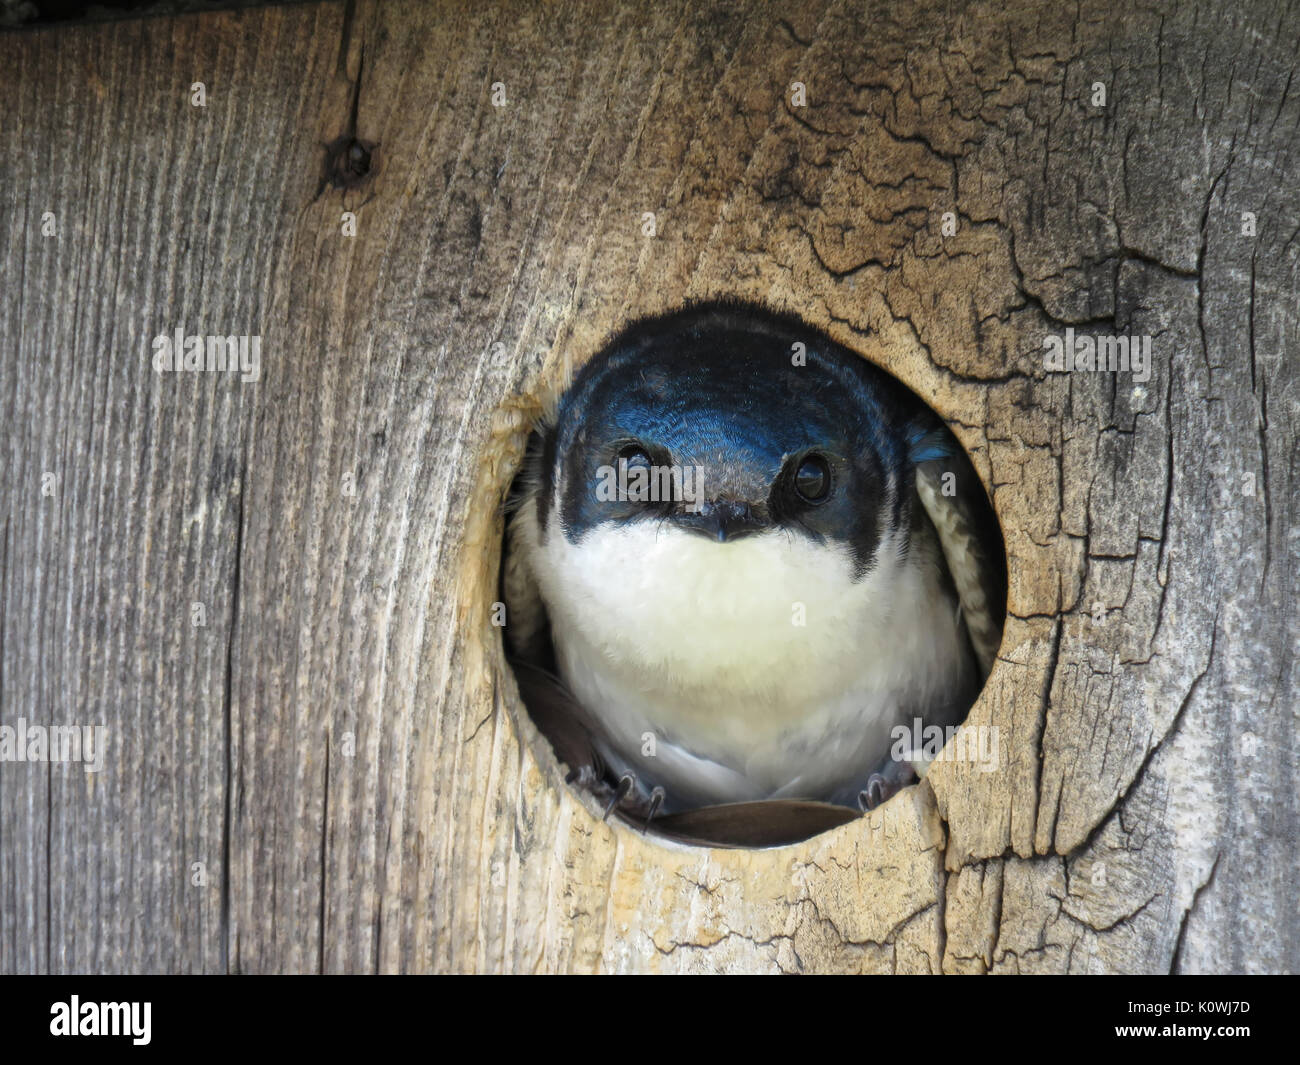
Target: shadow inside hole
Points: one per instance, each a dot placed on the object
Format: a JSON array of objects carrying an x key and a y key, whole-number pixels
[{"x": 814, "y": 448}]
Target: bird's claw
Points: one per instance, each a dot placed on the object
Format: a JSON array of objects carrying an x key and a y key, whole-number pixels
[
  {"x": 656, "y": 800},
  {"x": 625, "y": 785},
  {"x": 881, "y": 787},
  {"x": 633, "y": 805},
  {"x": 874, "y": 794}
]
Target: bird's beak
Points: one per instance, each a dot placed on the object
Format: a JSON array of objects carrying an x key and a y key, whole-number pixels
[{"x": 721, "y": 520}]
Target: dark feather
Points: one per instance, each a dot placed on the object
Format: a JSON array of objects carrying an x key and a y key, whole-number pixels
[
  {"x": 972, "y": 546},
  {"x": 765, "y": 823},
  {"x": 560, "y": 718}
]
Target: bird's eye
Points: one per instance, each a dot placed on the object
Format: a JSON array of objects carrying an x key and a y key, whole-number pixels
[
  {"x": 813, "y": 479},
  {"x": 634, "y": 455}
]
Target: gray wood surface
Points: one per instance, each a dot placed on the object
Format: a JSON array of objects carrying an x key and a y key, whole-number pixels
[{"x": 339, "y": 745}]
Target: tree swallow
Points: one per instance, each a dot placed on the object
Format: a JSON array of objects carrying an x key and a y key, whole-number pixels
[{"x": 739, "y": 558}]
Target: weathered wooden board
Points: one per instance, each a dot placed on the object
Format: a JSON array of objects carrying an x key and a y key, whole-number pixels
[{"x": 339, "y": 745}]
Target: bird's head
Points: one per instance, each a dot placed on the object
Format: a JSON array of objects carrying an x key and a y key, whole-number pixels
[{"x": 728, "y": 423}]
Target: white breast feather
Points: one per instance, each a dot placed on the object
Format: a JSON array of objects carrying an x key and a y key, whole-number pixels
[{"x": 700, "y": 644}]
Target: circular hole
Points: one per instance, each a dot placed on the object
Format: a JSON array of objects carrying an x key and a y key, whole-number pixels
[
  {"x": 349, "y": 162},
  {"x": 753, "y": 583}
]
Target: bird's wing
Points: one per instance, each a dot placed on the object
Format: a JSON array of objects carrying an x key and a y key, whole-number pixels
[
  {"x": 564, "y": 721},
  {"x": 954, "y": 499},
  {"x": 527, "y": 627},
  {"x": 526, "y": 621}
]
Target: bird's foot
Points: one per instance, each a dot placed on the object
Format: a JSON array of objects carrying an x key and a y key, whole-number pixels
[
  {"x": 624, "y": 788},
  {"x": 884, "y": 784},
  {"x": 656, "y": 801},
  {"x": 628, "y": 798},
  {"x": 585, "y": 777}
]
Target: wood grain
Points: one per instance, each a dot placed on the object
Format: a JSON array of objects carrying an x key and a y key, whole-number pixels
[{"x": 340, "y": 745}]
